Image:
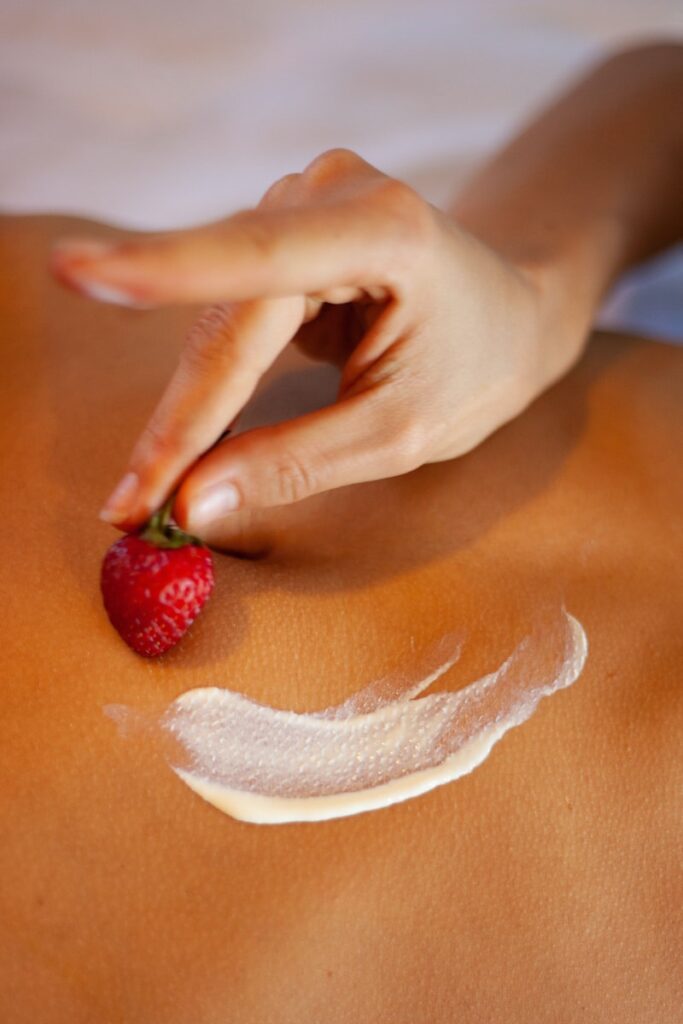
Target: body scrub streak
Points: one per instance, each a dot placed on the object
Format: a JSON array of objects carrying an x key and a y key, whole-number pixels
[{"x": 268, "y": 766}]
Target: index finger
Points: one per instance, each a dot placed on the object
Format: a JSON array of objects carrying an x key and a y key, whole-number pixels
[{"x": 253, "y": 254}]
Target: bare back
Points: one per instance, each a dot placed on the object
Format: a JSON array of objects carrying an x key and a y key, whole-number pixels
[{"x": 546, "y": 886}]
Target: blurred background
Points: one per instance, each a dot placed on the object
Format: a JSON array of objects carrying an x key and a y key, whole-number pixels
[{"x": 160, "y": 113}]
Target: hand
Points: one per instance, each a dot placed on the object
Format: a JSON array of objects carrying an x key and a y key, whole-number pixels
[{"x": 439, "y": 338}]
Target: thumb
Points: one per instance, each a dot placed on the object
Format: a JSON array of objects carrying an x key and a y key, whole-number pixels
[{"x": 357, "y": 439}]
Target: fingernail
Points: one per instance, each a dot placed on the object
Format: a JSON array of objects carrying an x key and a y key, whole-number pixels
[
  {"x": 108, "y": 293},
  {"x": 117, "y": 505},
  {"x": 78, "y": 264},
  {"x": 213, "y": 503},
  {"x": 75, "y": 251}
]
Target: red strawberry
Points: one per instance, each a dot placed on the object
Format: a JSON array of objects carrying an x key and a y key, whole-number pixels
[{"x": 154, "y": 585}]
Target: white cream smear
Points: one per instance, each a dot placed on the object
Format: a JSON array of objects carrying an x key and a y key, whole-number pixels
[{"x": 268, "y": 766}]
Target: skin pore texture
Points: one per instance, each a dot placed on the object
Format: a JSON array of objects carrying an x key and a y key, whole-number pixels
[{"x": 545, "y": 886}]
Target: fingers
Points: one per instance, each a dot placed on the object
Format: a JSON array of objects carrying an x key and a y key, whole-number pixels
[
  {"x": 337, "y": 233},
  {"x": 360, "y": 236},
  {"x": 254, "y": 254},
  {"x": 226, "y": 353},
  {"x": 357, "y": 439}
]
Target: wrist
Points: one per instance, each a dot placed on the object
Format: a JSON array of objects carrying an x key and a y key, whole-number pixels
[
  {"x": 568, "y": 256},
  {"x": 570, "y": 280},
  {"x": 564, "y": 314}
]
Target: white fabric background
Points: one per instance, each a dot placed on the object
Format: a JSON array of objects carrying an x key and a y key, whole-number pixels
[{"x": 158, "y": 113}]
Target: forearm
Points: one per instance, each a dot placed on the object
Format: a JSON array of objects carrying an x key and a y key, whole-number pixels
[{"x": 588, "y": 188}]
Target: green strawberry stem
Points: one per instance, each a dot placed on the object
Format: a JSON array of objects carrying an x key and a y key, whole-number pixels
[{"x": 163, "y": 532}]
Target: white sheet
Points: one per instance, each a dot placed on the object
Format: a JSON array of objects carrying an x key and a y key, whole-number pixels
[{"x": 156, "y": 113}]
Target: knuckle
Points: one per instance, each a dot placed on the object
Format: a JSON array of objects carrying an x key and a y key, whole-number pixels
[
  {"x": 331, "y": 163},
  {"x": 280, "y": 190},
  {"x": 255, "y": 233},
  {"x": 401, "y": 435},
  {"x": 410, "y": 445},
  {"x": 412, "y": 218},
  {"x": 156, "y": 445},
  {"x": 211, "y": 341},
  {"x": 293, "y": 479},
  {"x": 212, "y": 319},
  {"x": 397, "y": 193}
]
